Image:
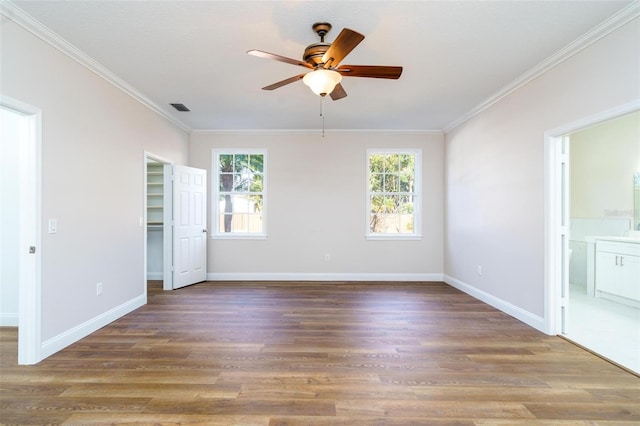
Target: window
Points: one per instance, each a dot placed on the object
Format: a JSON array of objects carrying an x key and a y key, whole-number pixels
[
  {"x": 393, "y": 193},
  {"x": 240, "y": 193}
]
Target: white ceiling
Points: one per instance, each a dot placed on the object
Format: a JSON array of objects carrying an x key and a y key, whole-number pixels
[{"x": 455, "y": 54}]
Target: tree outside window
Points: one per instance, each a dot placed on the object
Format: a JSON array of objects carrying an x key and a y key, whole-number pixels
[
  {"x": 240, "y": 206},
  {"x": 393, "y": 200}
]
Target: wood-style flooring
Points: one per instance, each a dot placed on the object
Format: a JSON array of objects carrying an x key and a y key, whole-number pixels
[{"x": 317, "y": 353}]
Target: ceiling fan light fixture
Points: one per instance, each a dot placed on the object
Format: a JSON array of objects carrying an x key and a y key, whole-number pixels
[{"x": 321, "y": 81}]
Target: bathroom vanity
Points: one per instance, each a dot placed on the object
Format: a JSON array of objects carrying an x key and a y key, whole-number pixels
[{"x": 614, "y": 269}]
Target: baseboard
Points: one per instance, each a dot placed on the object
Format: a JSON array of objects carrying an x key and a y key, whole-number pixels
[
  {"x": 155, "y": 275},
  {"x": 9, "y": 320},
  {"x": 502, "y": 305},
  {"x": 65, "y": 339},
  {"x": 286, "y": 276}
]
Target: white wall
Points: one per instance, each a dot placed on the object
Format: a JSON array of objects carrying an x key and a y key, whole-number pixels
[
  {"x": 495, "y": 169},
  {"x": 603, "y": 160},
  {"x": 316, "y": 206},
  {"x": 93, "y": 142},
  {"x": 9, "y": 235}
]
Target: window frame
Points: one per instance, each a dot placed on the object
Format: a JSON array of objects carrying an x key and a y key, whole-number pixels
[
  {"x": 417, "y": 195},
  {"x": 215, "y": 199}
]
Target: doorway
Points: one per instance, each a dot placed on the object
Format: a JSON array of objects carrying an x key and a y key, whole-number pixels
[
  {"x": 20, "y": 224},
  {"x": 175, "y": 223},
  {"x": 588, "y": 199},
  {"x": 158, "y": 216}
]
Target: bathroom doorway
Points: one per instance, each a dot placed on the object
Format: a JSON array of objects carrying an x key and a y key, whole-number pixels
[
  {"x": 591, "y": 171},
  {"x": 20, "y": 224}
]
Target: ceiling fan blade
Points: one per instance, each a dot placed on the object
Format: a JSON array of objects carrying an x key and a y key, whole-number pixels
[
  {"x": 267, "y": 55},
  {"x": 338, "y": 92},
  {"x": 346, "y": 41},
  {"x": 284, "y": 82},
  {"x": 371, "y": 71}
]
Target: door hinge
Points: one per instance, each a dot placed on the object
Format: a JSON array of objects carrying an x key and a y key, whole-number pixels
[{"x": 564, "y": 158}]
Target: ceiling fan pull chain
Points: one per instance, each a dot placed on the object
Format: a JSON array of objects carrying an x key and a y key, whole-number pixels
[{"x": 322, "y": 113}]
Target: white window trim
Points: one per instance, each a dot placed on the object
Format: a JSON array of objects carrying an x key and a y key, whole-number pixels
[
  {"x": 417, "y": 206},
  {"x": 215, "y": 185}
]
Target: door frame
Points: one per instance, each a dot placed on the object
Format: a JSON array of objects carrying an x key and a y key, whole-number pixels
[
  {"x": 30, "y": 233},
  {"x": 167, "y": 203},
  {"x": 556, "y": 212}
]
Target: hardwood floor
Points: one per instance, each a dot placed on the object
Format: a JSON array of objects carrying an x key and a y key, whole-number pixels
[{"x": 256, "y": 353}]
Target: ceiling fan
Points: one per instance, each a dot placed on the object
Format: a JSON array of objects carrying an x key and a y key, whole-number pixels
[{"x": 323, "y": 61}]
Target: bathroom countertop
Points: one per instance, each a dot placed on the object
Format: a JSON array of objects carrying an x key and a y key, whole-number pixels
[{"x": 592, "y": 239}]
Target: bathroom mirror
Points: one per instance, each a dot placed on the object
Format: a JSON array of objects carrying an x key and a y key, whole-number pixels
[{"x": 636, "y": 201}]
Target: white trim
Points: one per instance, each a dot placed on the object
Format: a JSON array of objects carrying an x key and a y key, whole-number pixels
[
  {"x": 76, "y": 333},
  {"x": 291, "y": 276},
  {"x": 238, "y": 236},
  {"x": 552, "y": 227},
  {"x": 30, "y": 285},
  {"x": 553, "y": 265},
  {"x": 616, "y": 21},
  {"x": 594, "y": 119},
  {"x": 392, "y": 237},
  {"x": 168, "y": 229},
  {"x": 167, "y": 238},
  {"x": 8, "y": 319},
  {"x": 518, "y": 313},
  {"x": 20, "y": 17},
  {"x": 417, "y": 206},
  {"x": 215, "y": 197},
  {"x": 319, "y": 131}
]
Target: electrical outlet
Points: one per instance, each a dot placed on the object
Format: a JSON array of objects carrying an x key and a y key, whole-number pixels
[
  {"x": 327, "y": 257},
  {"x": 53, "y": 226},
  {"x": 98, "y": 289},
  {"x": 479, "y": 269}
]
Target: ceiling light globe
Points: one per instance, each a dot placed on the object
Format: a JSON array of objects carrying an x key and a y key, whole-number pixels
[{"x": 322, "y": 81}]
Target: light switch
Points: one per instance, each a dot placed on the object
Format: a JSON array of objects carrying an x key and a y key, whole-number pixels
[{"x": 53, "y": 226}]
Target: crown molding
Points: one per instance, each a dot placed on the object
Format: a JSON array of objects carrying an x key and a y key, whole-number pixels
[
  {"x": 20, "y": 17},
  {"x": 619, "y": 19},
  {"x": 318, "y": 131}
]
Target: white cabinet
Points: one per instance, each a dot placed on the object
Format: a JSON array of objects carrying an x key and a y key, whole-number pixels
[{"x": 617, "y": 271}]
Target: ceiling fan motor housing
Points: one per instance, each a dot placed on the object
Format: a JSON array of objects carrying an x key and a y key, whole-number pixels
[{"x": 314, "y": 52}]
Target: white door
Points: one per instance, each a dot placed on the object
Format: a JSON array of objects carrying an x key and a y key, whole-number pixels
[
  {"x": 189, "y": 226},
  {"x": 21, "y": 136}
]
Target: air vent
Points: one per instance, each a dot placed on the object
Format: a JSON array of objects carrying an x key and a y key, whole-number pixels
[{"x": 180, "y": 107}]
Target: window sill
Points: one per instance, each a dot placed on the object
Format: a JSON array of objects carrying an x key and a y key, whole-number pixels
[
  {"x": 394, "y": 237},
  {"x": 239, "y": 237}
]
